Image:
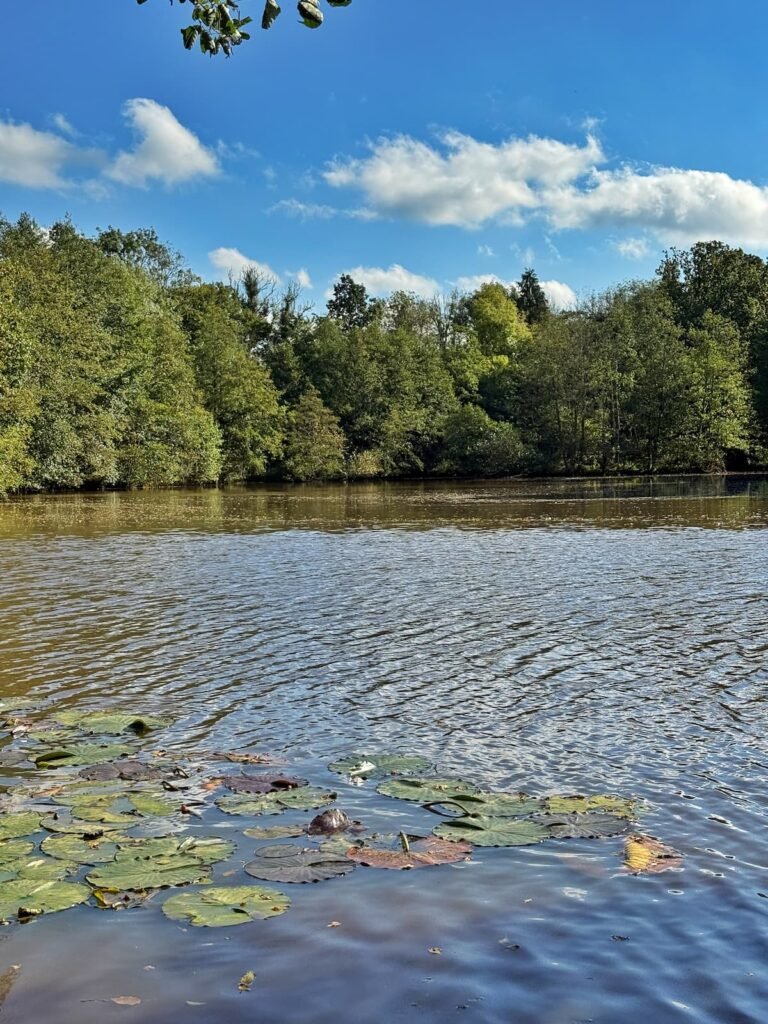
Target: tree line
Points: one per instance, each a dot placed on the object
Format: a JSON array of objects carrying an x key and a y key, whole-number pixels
[{"x": 120, "y": 368}]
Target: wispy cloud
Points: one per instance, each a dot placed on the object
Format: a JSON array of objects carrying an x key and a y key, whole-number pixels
[
  {"x": 318, "y": 211},
  {"x": 231, "y": 264}
]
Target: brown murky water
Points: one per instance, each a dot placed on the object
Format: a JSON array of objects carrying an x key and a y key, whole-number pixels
[{"x": 575, "y": 636}]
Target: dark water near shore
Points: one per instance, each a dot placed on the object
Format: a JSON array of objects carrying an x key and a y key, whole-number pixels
[{"x": 553, "y": 637}]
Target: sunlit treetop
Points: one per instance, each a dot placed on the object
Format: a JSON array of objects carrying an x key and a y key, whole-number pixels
[{"x": 217, "y": 26}]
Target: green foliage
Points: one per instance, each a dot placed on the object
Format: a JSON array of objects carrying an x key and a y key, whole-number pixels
[
  {"x": 314, "y": 443},
  {"x": 119, "y": 368}
]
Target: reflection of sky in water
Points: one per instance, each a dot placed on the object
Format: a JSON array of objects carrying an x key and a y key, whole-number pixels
[{"x": 562, "y": 656}]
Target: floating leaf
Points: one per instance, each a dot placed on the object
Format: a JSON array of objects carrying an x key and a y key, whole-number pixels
[
  {"x": 226, "y": 906},
  {"x": 421, "y": 852},
  {"x": 617, "y": 805},
  {"x": 493, "y": 831},
  {"x": 377, "y": 765},
  {"x": 153, "y": 804},
  {"x": 110, "y": 900},
  {"x": 289, "y": 863},
  {"x": 238, "y": 758},
  {"x": 24, "y": 897},
  {"x": 305, "y": 798},
  {"x": 246, "y": 981},
  {"x": 44, "y": 868},
  {"x": 110, "y": 722},
  {"x": 207, "y": 849},
  {"x": 427, "y": 791},
  {"x": 14, "y": 850},
  {"x": 79, "y": 753},
  {"x": 490, "y": 805},
  {"x": 149, "y": 873},
  {"x": 125, "y": 1000},
  {"x": 130, "y": 770},
  {"x": 275, "y": 832},
  {"x": 265, "y": 783},
  {"x": 86, "y": 829},
  {"x": 591, "y": 825},
  {"x": 82, "y": 851},
  {"x": 14, "y": 826},
  {"x": 648, "y": 856}
]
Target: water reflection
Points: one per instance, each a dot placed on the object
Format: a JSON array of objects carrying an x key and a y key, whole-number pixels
[{"x": 569, "y": 636}]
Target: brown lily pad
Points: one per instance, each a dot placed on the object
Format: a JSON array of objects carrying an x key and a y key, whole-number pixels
[
  {"x": 265, "y": 783},
  {"x": 646, "y": 855},
  {"x": 420, "y": 853}
]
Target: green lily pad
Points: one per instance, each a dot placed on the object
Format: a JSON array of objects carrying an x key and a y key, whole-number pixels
[
  {"x": 110, "y": 722},
  {"x": 493, "y": 831},
  {"x": 427, "y": 791},
  {"x": 14, "y": 826},
  {"x": 592, "y": 825},
  {"x": 128, "y": 872},
  {"x": 367, "y": 766},
  {"x": 82, "y": 851},
  {"x": 78, "y": 754},
  {"x": 305, "y": 798},
  {"x": 86, "y": 829},
  {"x": 622, "y": 807},
  {"x": 206, "y": 849},
  {"x": 17, "y": 704},
  {"x": 90, "y": 793},
  {"x": 275, "y": 832},
  {"x": 226, "y": 906},
  {"x": 288, "y": 863},
  {"x": 14, "y": 850},
  {"x": 45, "y": 868},
  {"x": 490, "y": 805},
  {"x": 153, "y": 804},
  {"x": 103, "y": 815},
  {"x": 26, "y": 897}
]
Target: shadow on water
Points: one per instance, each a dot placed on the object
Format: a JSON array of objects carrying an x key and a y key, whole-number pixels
[{"x": 550, "y": 636}]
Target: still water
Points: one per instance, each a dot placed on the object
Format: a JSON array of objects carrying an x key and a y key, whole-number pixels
[{"x": 569, "y": 637}]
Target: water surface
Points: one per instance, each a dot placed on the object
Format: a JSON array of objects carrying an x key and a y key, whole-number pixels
[{"x": 552, "y": 637}]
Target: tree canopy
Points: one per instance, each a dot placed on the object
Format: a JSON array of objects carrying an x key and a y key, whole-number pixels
[
  {"x": 120, "y": 368},
  {"x": 218, "y": 27}
]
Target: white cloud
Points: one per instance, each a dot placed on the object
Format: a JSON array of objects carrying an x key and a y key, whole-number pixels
[
  {"x": 303, "y": 280},
  {"x": 678, "y": 206},
  {"x": 231, "y": 263},
  {"x": 166, "y": 151},
  {"x": 633, "y": 248},
  {"x": 559, "y": 294},
  {"x": 485, "y": 250},
  {"x": 383, "y": 281},
  {"x": 464, "y": 182},
  {"x": 60, "y": 122},
  {"x": 32, "y": 158}
]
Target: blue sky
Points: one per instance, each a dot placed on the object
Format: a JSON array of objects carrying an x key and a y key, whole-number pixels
[{"x": 410, "y": 141}]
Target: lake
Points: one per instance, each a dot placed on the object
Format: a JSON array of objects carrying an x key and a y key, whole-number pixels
[{"x": 551, "y": 637}]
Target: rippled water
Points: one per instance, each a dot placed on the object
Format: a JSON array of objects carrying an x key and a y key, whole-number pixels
[{"x": 548, "y": 637}]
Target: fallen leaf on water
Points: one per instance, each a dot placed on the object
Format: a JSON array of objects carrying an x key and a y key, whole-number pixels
[
  {"x": 436, "y": 950},
  {"x": 246, "y": 981},
  {"x": 7, "y": 981},
  {"x": 126, "y": 1000},
  {"x": 212, "y": 784},
  {"x": 648, "y": 856},
  {"x": 334, "y": 924}
]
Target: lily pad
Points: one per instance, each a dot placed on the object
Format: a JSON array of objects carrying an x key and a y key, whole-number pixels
[
  {"x": 646, "y": 855},
  {"x": 289, "y": 863},
  {"x": 78, "y": 754},
  {"x": 82, "y": 851},
  {"x": 493, "y": 831},
  {"x": 366, "y": 766},
  {"x": 26, "y": 897},
  {"x": 427, "y": 791},
  {"x": 86, "y": 829},
  {"x": 45, "y": 868},
  {"x": 206, "y": 849},
  {"x": 305, "y": 798},
  {"x": 129, "y": 770},
  {"x": 425, "y": 852},
  {"x": 129, "y": 872},
  {"x": 153, "y": 804},
  {"x": 265, "y": 783},
  {"x": 591, "y": 825},
  {"x": 226, "y": 906},
  {"x": 14, "y": 850},
  {"x": 14, "y": 826},
  {"x": 110, "y": 722},
  {"x": 622, "y": 807},
  {"x": 490, "y": 805},
  {"x": 275, "y": 832}
]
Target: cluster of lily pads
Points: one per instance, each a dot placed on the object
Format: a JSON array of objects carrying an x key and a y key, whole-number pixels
[{"x": 113, "y": 816}]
